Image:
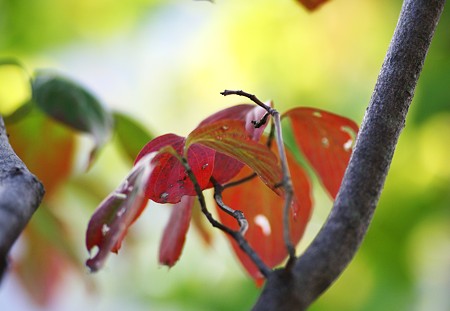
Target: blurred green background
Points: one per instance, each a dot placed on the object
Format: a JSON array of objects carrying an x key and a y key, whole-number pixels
[{"x": 164, "y": 63}]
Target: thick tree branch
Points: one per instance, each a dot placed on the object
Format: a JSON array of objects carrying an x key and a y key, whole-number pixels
[
  {"x": 340, "y": 237},
  {"x": 20, "y": 195}
]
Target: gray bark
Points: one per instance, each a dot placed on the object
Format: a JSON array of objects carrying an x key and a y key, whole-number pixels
[
  {"x": 20, "y": 195},
  {"x": 339, "y": 239}
]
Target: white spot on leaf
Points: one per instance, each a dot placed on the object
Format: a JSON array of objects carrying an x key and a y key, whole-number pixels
[
  {"x": 118, "y": 195},
  {"x": 105, "y": 229},
  {"x": 348, "y": 145},
  {"x": 262, "y": 222},
  {"x": 325, "y": 142},
  {"x": 317, "y": 114},
  {"x": 121, "y": 212}
]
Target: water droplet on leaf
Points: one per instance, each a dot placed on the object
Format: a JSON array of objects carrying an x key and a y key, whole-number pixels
[
  {"x": 317, "y": 114},
  {"x": 164, "y": 196}
]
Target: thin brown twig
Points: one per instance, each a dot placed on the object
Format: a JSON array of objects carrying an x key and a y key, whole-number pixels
[
  {"x": 240, "y": 181},
  {"x": 286, "y": 181},
  {"x": 238, "y": 215},
  {"x": 236, "y": 235}
]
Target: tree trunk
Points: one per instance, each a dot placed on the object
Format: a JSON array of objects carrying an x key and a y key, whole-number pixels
[
  {"x": 20, "y": 195},
  {"x": 340, "y": 237}
]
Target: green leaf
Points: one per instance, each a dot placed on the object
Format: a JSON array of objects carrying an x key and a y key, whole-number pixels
[
  {"x": 72, "y": 105},
  {"x": 131, "y": 135},
  {"x": 231, "y": 138}
]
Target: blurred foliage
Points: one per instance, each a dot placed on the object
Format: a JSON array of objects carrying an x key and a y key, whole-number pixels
[
  {"x": 171, "y": 59},
  {"x": 32, "y": 26}
]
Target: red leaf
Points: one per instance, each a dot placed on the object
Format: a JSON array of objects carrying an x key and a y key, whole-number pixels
[
  {"x": 312, "y": 4},
  {"x": 110, "y": 222},
  {"x": 264, "y": 212},
  {"x": 230, "y": 138},
  {"x": 326, "y": 140},
  {"x": 245, "y": 113},
  {"x": 174, "y": 235},
  {"x": 169, "y": 181}
]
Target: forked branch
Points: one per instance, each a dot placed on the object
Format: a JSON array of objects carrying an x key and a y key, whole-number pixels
[
  {"x": 236, "y": 235},
  {"x": 286, "y": 182}
]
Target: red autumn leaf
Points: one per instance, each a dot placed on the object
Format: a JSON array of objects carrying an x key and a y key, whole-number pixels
[
  {"x": 110, "y": 222},
  {"x": 264, "y": 211},
  {"x": 169, "y": 181},
  {"x": 230, "y": 138},
  {"x": 326, "y": 140},
  {"x": 174, "y": 235},
  {"x": 245, "y": 113},
  {"x": 312, "y": 4}
]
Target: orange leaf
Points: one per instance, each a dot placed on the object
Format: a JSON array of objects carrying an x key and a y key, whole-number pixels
[
  {"x": 264, "y": 211},
  {"x": 326, "y": 140},
  {"x": 312, "y": 4}
]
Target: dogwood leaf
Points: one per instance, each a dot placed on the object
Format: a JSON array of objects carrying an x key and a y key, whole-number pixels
[
  {"x": 169, "y": 181},
  {"x": 174, "y": 234},
  {"x": 69, "y": 103},
  {"x": 326, "y": 140},
  {"x": 264, "y": 211},
  {"x": 230, "y": 138},
  {"x": 110, "y": 222}
]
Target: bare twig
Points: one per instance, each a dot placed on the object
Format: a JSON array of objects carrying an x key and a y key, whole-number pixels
[
  {"x": 20, "y": 195},
  {"x": 240, "y": 181},
  {"x": 238, "y": 215},
  {"x": 339, "y": 239},
  {"x": 236, "y": 235},
  {"x": 286, "y": 182}
]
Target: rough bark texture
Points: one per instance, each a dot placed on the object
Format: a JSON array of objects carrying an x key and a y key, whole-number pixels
[
  {"x": 340, "y": 237},
  {"x": 20, "y": 194}
]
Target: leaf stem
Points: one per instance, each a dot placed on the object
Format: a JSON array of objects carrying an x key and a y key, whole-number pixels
[
  {"x": 287, "y": 181},
  {"x": 236, "y": 235},
  {"x": 238, "y": 215}
]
